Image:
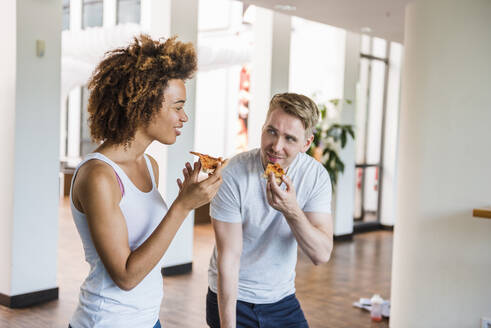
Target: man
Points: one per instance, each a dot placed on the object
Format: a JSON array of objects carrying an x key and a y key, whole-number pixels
[{"x": 258, "y": 223}]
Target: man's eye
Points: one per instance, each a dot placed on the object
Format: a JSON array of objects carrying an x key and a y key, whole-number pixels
[
  {"x": 179, "y": 108},
  {"x": 270, "y": 131}
]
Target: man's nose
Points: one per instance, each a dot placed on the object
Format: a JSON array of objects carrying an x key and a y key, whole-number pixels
[
  {"x": 184, "y": 117},
  {"x": 277, "y": 145}
]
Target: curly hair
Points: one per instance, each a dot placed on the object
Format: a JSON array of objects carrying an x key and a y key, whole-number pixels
[{"x": 127, "y": 87}]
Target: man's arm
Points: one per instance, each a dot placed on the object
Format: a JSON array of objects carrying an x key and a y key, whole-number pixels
[
  {"x": 312, "y": 230},
  {"x": 229, "y": 248}
]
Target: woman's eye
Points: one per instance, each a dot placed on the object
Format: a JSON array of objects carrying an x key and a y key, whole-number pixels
[{"x": 271, "y": 131}]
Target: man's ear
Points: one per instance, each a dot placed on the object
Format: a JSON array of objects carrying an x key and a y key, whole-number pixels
[{"x": 308, "y": 142}]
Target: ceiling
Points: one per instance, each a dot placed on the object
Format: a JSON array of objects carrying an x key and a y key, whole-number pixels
[{"x": 385, "y": 18}]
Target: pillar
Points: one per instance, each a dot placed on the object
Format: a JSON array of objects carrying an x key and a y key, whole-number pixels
[{"x": 441, "y": 263}]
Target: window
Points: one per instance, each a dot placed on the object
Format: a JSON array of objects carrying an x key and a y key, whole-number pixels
[
  {"x": 87, "y": 146},
  {"x": 128, "y": 11},
  {"x": 92, "y": 13},
  {"x": 65, "y": 23},
  {"x": 370, "y": 125}
]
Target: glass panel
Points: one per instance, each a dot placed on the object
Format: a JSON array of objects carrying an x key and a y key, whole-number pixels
[
  {"x": 244, "y": 96},
  {"x": 92, "y": 13},
  {"x": 128, "y": 11},
  {"x": 65, "y": 23},
  {"x": 316, "y": 60},
  {"x": 365, "y": 44},
  {"x": 370, "y": 194},
  {"x": 361, "y": 110},
  {"x": 375, "y": 112},
  {"x": 358, "y": 194},
  {"x": 87, "y": 146},
  {"x": 379, "y": 48}
]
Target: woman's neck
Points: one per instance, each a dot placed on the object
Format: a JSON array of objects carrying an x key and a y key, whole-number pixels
[{"x": 123, "y": 154}]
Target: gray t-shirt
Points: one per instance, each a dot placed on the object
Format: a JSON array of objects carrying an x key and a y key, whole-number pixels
[{"x": 269, "y": 250}]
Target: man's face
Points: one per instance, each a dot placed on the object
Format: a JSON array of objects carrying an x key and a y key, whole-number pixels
[{"x": 282, "y": 138}]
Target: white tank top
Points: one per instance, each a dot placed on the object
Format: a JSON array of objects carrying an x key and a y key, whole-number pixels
[{"x": 101, "y": 302}]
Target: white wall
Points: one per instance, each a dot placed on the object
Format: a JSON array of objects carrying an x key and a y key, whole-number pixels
[
  {"x": 8, "y": 21},
  {"x": 441, "y": 262},
  {"x": 30, "y": 91},
  {"x": 317, "y": 59}
]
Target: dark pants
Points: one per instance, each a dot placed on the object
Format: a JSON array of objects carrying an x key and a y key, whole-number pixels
[{"x": 286, "y": 313}]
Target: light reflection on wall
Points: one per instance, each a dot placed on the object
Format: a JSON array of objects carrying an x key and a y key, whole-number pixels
[{"x": 244, "y": 96}]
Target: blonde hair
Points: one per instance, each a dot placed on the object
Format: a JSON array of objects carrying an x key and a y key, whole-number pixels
[{"x": 297, "y": 105}]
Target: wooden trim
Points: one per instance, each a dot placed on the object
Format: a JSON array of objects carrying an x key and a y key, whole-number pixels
[
  {"x": 25, "y": 300},
  {"x": 484, "y": 213},
  {"x": 177, "y": 269}
]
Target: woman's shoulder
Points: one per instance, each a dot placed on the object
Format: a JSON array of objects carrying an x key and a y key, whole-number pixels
[{"x": 95, "y": 176}]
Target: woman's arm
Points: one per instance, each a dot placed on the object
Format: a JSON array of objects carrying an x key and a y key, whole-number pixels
[{"x": 99, "y": 196}]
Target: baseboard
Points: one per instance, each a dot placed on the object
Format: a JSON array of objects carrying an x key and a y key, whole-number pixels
[
  {"x": 177, "y": 269},
  {"x": 386, "y": 227},
  {"x": 346, "y": 237},
  {"x": 366, "y": 227},
  {"x": 29, "y": 299}
]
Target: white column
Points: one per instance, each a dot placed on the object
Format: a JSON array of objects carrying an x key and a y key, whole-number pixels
[
  {"x": 29, "y": 166},
  {"x": 344, "y": 196},
  {"x": 8, "y": 22},
  {"x": 75, "y": 15},
  {"x": 389, "y": 178},
  {"x": 109, "y": 13},
  {"x": 280, "y": 54},
  {"x": 270, "y": 69},
  {"x": 165, "y": 18},
  {"x": 441, "y": 263},
  {"x": 155, "y": 19},
  {"x": 260, "y": 74}
]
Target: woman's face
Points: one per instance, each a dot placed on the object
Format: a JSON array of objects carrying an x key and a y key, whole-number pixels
[{"x": 166, "y": 124}]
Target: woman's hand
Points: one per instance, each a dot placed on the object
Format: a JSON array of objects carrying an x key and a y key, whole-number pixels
[{"x": 194, "y": 193}]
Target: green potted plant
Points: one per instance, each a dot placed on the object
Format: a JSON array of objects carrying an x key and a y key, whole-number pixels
[{"x": 329, "y": 138}]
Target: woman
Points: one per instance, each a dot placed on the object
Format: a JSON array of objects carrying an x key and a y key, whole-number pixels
[{"x": 137, "y": 96}]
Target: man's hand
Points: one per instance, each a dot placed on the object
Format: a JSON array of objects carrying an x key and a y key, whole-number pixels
[{"x": 284, "y": 201}]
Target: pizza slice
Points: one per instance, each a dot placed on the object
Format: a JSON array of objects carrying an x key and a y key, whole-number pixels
[
  {"x": 208, "y": 163},
  {"x": 276, "y": 169}
]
